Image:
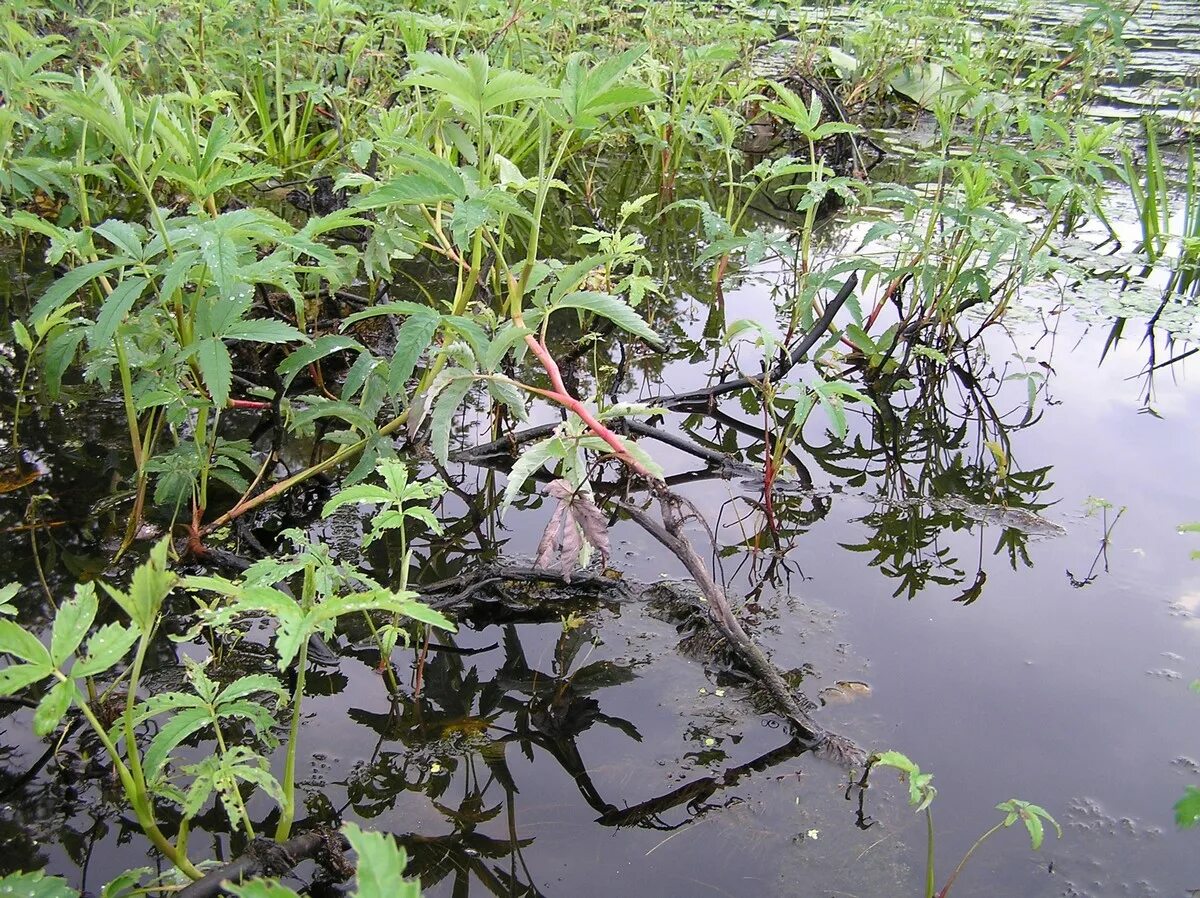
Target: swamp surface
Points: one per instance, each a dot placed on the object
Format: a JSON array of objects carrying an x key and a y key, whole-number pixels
[{"x": 1031, "y": 636}]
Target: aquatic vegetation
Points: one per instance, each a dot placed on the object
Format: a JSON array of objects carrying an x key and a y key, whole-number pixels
[
  {"x": 378, "y": 873},
  {"x": 305, "y": 248},
  {"x": 87, "y": 679},
  {"x": 921, "y": 793}
]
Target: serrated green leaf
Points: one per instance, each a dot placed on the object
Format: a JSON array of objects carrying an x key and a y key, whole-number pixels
[
  {"x": 527, "y": 463},
  {"x": 615, "y": 310},
  {"x": 58, "y": 356},
  {"x": 216, "y": 367},
  {"x": 506, "y": 338},
  {"x": 69, "y": 284},
  {"x": 151, "y": 583},
  {"x": 125, "y": 236},
  {"x": 35, "y": 885},
  {"x": 174, "y": 730},
  {"x": 21, "y": 335},
  {"x": 249, "y": 685},
  {"x": 71, "y": 623},
  {"x": 125, "y": 884},
  {"x": 114, "y": 310},
  {"x": 52, "y": 707},
  {"x": 381, "y": 864},
  {"x": 108, "y": 646},
  {"x": 263, "y": 330},
  {"x": 16, "y": 677},
  {"x": 363, "y": 493},
  {"x": 413, "y": 338},
  {"x": 259, "y": 888},
  {"x": 426, "y": 615},
  {"x": 508, "y": 394},
  {"x": 302, "y": 357},
  {"x": 411, "y": 189},
  {"x": 20, "y": 643},
  {"x": 441, "y": 420}
]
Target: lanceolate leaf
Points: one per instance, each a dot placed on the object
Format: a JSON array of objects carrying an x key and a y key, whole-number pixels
[
  {"x": 413, "y": 338},
  {"x": 527, "y": 464},
  {"x": 263, "y": 330},
  {"x": 444, "y": 407},
  {"x": 506, "y": 392},
  {"x": 400, "y": 307},
  {"x": 59, "y": 353},
  {"x": 321, "y": 347},
  {"x": 67, "y": 285},
  {"x": 615, "y": 310},
  {"x": 216, "y": 367},
  {"x": 173, "y": 731},
  {"x": 114, "y": 310}
]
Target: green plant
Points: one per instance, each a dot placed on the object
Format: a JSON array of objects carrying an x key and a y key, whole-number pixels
[
  {"x": 379, "y": 874},
  {"x": 921, "y": 793},
  {"x": 87, "y": 680}
]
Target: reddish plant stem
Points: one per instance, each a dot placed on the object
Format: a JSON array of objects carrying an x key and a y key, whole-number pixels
[{"x": 560, "y": 395}]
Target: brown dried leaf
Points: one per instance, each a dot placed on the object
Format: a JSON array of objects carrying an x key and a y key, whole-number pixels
[
  {"x": 16, "y": 477},
  {"x": 592, "y": 522},
  {"x": 550, "y": 540},
  {"x": 563, "y": 540}
]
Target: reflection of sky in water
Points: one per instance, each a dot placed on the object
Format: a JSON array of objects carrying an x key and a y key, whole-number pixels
[{"x": 1075, "y": 698}]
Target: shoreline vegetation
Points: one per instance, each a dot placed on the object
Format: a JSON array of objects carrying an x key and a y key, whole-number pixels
[{"x": 318, "y": 253}]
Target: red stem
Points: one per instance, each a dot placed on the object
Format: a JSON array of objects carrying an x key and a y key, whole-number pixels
[{"x": 561, "y": 396}]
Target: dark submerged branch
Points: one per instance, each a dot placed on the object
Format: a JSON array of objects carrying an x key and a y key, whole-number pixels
[
  {"x": 702, "y": 399},
  {"x": 266, "y": 858}
]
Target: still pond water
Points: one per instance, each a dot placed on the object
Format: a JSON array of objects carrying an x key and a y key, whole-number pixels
[{"x": 1011, "y": 653}]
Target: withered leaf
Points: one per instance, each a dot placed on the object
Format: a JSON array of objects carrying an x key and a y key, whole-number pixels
[
  {"x": 575, "y": 520},
  {"x": 16, "y": 477}
]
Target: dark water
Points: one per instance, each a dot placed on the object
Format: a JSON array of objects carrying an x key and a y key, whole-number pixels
[
  {"x": 1071, "y": 696},
  {"x": 1012, "y": 654}
]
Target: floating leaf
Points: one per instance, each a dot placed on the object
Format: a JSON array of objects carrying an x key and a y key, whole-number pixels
[{"x": 16, "y": 477}]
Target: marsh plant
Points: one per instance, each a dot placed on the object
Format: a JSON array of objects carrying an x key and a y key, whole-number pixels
[
  {"x": 301, "y": 241},
  {"x": 96, "y": 672},
  {"x": 921, "y": 793}
]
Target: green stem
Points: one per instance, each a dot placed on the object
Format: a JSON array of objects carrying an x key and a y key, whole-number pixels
[
  {"x": 930, "y": 882},
  {"x": 288, "y": 813},
  {"x": 216, "y": 722},
  {"x": 966, "y": 857},
  {"x": 138, "y": 798}
]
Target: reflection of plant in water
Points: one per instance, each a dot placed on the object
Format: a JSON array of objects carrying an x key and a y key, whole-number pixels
[{"x": 941, "y": 468}]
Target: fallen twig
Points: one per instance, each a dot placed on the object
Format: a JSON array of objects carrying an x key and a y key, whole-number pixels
[{"x": 266, "y": 858}]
